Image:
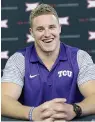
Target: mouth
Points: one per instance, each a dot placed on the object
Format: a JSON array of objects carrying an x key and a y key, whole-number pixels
[{"x": 47, "y": 40}]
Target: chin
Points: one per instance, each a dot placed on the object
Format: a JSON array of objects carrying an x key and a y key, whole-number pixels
[
  {"x": 49, "y": 47},
  {"x": 49, "y": 50}
]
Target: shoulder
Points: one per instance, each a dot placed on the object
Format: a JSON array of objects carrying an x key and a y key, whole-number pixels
[
  {"x": 70, "y": 49},
  {"x": 83, "y": 58},
  {"x": 26, "y": 49},
  {"x": 71, "y": 52},
  {"x": 14, "y": 70},
  {"x": 16, "y": 58},
  {"x": 86, "y": 67}
]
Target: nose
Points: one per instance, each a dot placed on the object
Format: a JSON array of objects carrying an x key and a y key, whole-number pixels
[{"x": 47, "y": 33}]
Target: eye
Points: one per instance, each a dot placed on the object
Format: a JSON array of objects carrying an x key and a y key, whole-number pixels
[
  {"x": 52, "y": 27},
  {"x": 40, "y": 29}
]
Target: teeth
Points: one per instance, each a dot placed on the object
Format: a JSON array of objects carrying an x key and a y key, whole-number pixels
[{"x": 47, "y": 41}]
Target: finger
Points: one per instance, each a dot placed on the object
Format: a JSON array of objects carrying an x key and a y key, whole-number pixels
[
  {"x": 59, "y": 107},
  {"x": 47, "y": 114},
  {"x": 59, "y": 100},
  {"x": 59, "y": 116},
  {"x": 45, "y": 106},
  {"x": 60, "y": 120},
  {"x": 48, "y": 120}
]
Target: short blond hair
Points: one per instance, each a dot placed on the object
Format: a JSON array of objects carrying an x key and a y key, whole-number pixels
[{"x": 42, "y": 9}]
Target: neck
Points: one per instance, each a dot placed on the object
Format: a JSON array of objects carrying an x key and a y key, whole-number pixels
[{"x": 48, "y": 58}]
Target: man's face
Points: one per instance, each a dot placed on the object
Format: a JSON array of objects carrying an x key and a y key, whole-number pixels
[{"x": 46, "y": 32}]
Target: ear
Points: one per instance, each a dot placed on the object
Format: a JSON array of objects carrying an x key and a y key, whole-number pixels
[{"x": 31, "y": 31}]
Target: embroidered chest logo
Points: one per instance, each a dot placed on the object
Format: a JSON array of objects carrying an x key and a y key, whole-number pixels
[
  {"x": 65, "y": 73},
  {"x": 33, "y": 76}
]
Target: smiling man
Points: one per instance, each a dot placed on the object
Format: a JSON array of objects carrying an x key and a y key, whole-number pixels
[{"x": 48, "y": 80}]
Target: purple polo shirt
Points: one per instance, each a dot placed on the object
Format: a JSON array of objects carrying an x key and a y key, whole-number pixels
[{"x": 41, "y": 85}]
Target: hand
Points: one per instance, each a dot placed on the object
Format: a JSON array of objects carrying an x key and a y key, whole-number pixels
[
  {"x": 63, "y": 112},
  {"x": 46, "y": 110}
]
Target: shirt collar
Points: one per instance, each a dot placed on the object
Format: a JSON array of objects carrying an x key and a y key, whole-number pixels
[
  {"x": 62, "y": 52},
  {"x": 34, "y": 57}
]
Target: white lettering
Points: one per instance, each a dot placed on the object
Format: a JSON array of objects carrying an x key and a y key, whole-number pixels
[
  {"x": 60, "y": 73},
  {"x": 65, "y": 73},
  {"x": 69, "y": 73}
]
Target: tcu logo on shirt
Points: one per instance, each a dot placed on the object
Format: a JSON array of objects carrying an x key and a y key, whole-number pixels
[{"x": 65, "y": 73}]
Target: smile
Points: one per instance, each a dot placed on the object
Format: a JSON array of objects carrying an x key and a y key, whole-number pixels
[{"x": 47, "y": 40}]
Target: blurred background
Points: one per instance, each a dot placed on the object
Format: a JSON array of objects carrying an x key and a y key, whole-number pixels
[{"x": 77, "y": 18}]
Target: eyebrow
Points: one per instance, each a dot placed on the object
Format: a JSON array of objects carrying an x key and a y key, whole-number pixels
[
  {"x": 53, "y": 25},
  {"x": 40, "y": 27},
  {"x": 49, "y": 26}
]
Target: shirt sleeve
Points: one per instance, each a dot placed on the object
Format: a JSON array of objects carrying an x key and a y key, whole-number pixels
[
  {"x": 14, "y": 70},
  {"x": 86, "y": 67}
]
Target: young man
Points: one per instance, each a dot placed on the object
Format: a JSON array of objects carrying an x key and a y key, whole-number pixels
[{"x": 53, "y": 81}]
